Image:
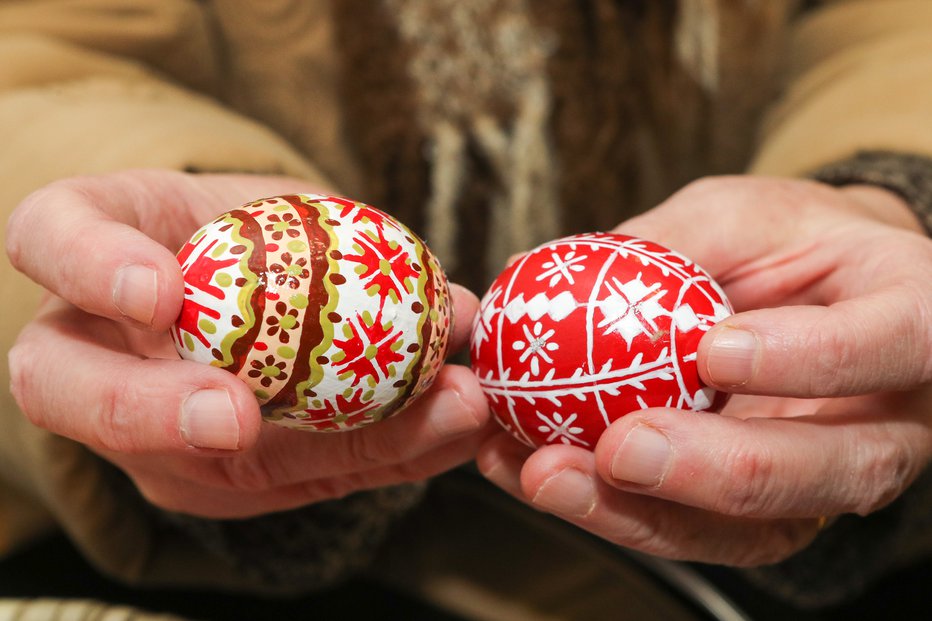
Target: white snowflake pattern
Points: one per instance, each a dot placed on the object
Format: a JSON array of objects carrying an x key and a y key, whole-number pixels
[
  {"x": 561, "y": 428},
  {"x": 559, "y": 268},
  {"x": 482, "y": 327},
  {"x": 536, "y": 346},
  {"x": 631, "y": 308}
]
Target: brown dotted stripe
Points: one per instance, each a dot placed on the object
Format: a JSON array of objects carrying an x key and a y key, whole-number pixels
[
  {"x": 251, "y": 230},
  {"x": 312, "y": 332}
]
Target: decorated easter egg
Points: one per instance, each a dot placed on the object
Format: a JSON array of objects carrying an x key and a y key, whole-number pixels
[
  {"x": 333, "y": 312},
  {"x": 585, "y": 329}
]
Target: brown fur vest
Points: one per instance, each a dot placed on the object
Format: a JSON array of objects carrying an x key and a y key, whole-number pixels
[{"x": 492, "y": 125}]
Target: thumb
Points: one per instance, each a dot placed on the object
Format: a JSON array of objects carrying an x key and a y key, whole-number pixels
[{"x": 858, "y": 346}]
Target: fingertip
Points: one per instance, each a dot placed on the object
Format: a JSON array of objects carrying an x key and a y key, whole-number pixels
[
  {"x": 220, "y": 417},
  {"x": 462, "y": 381},
  {"x": 67, "y": 238},
  {"x": 465, "y": 305},
  {"x": 728, "y": 356},
  {"x": 148, "y": 291},
  {"x": 543, "y": 462},
  {"x": 463, "y": 295}
]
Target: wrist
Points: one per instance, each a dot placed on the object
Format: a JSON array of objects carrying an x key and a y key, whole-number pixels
[
  {"x": 883, "y": 182},
  {"x": 884, "y": 205}
]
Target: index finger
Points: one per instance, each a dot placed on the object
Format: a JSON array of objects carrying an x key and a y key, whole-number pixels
[{"x": 77, "y": 239}]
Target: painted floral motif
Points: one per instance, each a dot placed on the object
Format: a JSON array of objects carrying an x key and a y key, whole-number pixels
[
  {"x": 281, "y": 225},
  {"x": 332, "y": 311},
  {"x": 585, "y": 329},
  {"x": 384, "y": 266},
  {"x": 558, "y": 268},
  {"x": 290, "y": 271},
  {"x": 561, "y": 429},
  {"x": 282, "y": 322},
  {"x": 369, "y": 351},
  {"x": 535, "y": 346},
  {"x": 267, "y": 370}
]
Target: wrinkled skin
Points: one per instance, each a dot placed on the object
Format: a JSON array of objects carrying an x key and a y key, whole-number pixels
[
  {"x": 828, "y": 357},
  {"x": 129, "y": 397}
]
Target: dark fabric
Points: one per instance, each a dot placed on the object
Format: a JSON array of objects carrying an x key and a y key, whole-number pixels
[
  {"x": 908, "y": 175},
  {"x": 305, "y": 549},
  {"x": 854, "y": 552}
]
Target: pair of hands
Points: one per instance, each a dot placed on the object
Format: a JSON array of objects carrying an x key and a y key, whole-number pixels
[{"x": 840, "y": 278}]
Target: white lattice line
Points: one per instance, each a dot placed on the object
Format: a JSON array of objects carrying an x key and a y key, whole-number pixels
[
  {"x": 582, "y": 383},
  {"x": 649, "y": 257},
  {"x": 514, "y": 392}
]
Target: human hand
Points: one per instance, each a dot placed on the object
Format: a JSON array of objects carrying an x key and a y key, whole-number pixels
[
  {"x": 829, "y": 350},
  {"x": 97, "y": 364}
]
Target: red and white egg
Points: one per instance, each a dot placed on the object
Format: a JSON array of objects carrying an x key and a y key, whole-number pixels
[
  {"x": 333, "y": 312},
  {"x": 585, "y": 329}
]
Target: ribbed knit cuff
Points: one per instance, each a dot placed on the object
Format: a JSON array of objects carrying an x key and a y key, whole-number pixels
[
  {"x": 909, "y": 176},
  {"x": 305, "y": 549}
]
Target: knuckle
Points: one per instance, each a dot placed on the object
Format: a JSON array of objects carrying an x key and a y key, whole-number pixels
[
  {"x": 919, "y": 301},
  {"x": 885, "y": 470},
  {"x": 831, "y": 354},
  {"x": 114, "y": 421},
  {"x": 704, "y": 186},
  {"x": 20, "y": 359},
  {"x": 648, "y": 534},
  {"x": 21, "y": 221},
  {"x": 748, "y": 486}
]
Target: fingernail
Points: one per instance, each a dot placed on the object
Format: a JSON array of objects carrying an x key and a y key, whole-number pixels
[
  {"x": 569, "y": 492},
  {"x": 452, "y": 416},
  {"x": 208, "y": 420},
  {"x": 134, "y": 292},
  {"x": 643, "y": 458},
  {"x": 730, "y": 359}
]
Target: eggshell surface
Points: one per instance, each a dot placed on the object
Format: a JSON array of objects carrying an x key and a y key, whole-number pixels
[
  {"x": 585, "y": 329},
  {"x": 333, "y": 312}
]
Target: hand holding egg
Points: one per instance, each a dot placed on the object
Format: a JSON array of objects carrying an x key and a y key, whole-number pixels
[
  {"x": 829, "y": 413},
  {"x": 97, "y": 364}
]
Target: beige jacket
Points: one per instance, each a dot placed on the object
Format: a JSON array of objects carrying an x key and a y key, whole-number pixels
[{"x": 459, "y": 116}]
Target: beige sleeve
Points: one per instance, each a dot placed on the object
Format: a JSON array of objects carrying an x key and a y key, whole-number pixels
[
  {"x": 84, "y": 91},
  {"x": 859, "y": 77}
]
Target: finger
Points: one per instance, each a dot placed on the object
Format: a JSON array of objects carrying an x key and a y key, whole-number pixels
[
  {"x": 875, "y": 342},
  {"x": 853, "y": 462},
  {"x": 465, "y": 306},
  {"x": 563, "y": 481},
  {"x": 500, "y": 460},
  {"x": 117, "y": 402},
  {"x": 452, "y": 408},
  {"x": 755, "y": 219},
  {"x": 78, "y": 239},
  {"x": 106, "y": 243},
  {"x": 172, "y": 487}
]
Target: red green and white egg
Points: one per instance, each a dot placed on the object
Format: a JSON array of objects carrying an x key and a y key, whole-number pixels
[{"x": 333, "y": 312}]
